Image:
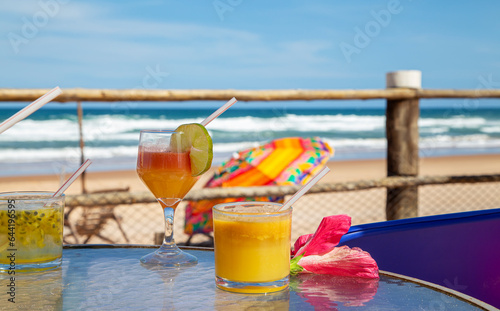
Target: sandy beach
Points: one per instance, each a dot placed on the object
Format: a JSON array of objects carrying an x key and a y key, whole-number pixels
[
  {"x": 362, "y": 206},
  {"x": 341, "y": 171}
]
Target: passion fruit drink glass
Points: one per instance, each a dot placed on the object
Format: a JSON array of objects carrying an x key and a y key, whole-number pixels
[
  {"x": 167, "y": 165},
  {"x": 31, "y": 230}
]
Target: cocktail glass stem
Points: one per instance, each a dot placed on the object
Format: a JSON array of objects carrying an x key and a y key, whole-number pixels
[
  {"x": 168, "y": 213},
  {"x": 169, "y": 255},
  {"x": 168, "y": 245}
]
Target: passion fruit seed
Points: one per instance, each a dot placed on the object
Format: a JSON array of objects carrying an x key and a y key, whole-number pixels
[{"x": 32, "y": 230}]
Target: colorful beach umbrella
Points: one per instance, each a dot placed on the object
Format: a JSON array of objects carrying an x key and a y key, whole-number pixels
[{"x": 285, "y": 161}]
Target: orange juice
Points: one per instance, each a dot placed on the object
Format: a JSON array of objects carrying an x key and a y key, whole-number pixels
[
  {"x": 252, "y": 247},
  {"x": 166, "y": 174}
]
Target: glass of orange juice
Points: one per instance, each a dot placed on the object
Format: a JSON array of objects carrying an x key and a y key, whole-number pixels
[
  {"x": 31, "y": 231},
  {"x": 252, "y": 246}
]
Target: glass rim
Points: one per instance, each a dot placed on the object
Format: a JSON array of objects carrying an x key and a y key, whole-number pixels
[
  {"x": 158, "y": 131},
  {"x": 218, "y": 208},
  {"x": 31, "y": 195}
]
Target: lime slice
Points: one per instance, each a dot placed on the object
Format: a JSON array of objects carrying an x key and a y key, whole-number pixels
[{"x": 197, "y": 141}]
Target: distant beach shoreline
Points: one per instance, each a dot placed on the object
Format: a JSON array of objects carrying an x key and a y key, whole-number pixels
[
  {"x": 342, "y": 170},
  {"x": 117, "y": 164},
  {"x": 48, "y": 168}
]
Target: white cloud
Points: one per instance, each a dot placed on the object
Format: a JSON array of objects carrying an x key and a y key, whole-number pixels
[
  {"x": 65, "y": 10},
  {"x": 95, "y": 44}
]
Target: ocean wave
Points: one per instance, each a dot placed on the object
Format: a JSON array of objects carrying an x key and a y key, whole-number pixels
[
  {"x": 454, "y": 122},
  {"x": 64, "y": 154},
  {"x": 109, "y": 127},
  {"x": 491, "y": 129},
  {"x": 126, "y": 128},
  {"x": 468, "y": 141},
  {"x": 22, "y": 155}
]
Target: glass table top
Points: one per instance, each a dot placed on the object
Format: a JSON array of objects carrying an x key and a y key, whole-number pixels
[{"x": 112, "y": 278}]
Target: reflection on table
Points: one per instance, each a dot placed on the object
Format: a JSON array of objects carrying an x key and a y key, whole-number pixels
[{"x": 111, "y": 278}]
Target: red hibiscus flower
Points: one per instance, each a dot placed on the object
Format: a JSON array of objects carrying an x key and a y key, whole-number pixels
[{"x": 317, "y": 253}]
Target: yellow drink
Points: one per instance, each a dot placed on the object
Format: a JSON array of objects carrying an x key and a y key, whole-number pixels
[
  {"x": 253, "y": 251},
  {"x": 31, "y": 232},
  {"x": 252, "y": 246}
]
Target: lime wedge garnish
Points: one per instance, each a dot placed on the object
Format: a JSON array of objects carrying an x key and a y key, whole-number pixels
[{"x": 197, "y": 141}]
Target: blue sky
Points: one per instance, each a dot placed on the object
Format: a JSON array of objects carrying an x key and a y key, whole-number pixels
[{"x": 243, "y": 44}]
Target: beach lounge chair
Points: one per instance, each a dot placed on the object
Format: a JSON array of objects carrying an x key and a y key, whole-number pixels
[{"x": 92, "y": 221}]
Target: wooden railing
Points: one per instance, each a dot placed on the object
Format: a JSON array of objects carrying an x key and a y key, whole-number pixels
[
  {"x": 103, "y": 95},
  {"x": 117, "y": 198}
]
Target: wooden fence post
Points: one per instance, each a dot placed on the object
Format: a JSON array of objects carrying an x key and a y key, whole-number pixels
[{"x": 402, "y": 144}]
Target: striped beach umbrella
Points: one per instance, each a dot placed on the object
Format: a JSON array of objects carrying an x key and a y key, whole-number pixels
[{"x": 285, "y": 161}]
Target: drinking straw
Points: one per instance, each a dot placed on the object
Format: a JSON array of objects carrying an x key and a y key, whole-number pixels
[
  {"x": 218, "y": 112},
  {"x": 26, "y": 111},
  {"x": 305, "y": 188},
  {"x": 73, "y": 177}
]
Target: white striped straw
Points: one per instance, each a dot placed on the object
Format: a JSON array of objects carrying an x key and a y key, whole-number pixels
[
  {"x": 26, "y": 111},
  {"x": 73, "y": 177},
  {"x": 305, "y": 188},
  {"x": 218, "y": 112}
]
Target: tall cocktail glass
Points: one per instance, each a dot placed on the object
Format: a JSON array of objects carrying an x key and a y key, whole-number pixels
[{"x": 167, "y": 174}]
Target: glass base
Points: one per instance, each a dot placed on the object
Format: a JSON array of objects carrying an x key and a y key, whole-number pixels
[
  {"x": 31, "y": 267},
  {"x": 252, "y": 288},
  {"x": 169, "y": 257}
]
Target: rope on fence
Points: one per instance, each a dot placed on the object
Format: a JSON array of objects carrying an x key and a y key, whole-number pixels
[
  {"x": 117, "y": 198},
  {"x": 112, "y": 95}
]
